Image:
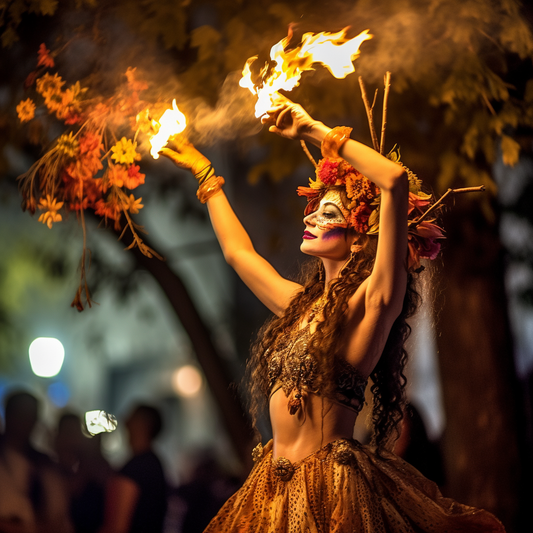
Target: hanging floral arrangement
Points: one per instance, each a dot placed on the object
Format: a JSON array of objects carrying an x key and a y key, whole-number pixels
[{"x": 94, "y": 163}]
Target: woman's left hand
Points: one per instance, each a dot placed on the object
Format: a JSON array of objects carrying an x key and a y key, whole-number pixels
[{"x": 288, "y": 119}]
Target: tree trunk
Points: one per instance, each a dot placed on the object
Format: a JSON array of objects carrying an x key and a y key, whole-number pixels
[
  {"x": 480, "y": 389},
  {"x": 232, "y": 414}
]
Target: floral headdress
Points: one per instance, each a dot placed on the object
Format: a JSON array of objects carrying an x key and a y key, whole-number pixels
[{"x": 364, "y": 199}]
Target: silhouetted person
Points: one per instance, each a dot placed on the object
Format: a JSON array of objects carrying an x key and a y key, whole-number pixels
[
  {"x": 68, "y": 443},
  {"x": 136, "y": 500},
  {"x": 32, "y": 494},
  {"x": 205, "y": 493},
  {"x": 85, "y": 471}
]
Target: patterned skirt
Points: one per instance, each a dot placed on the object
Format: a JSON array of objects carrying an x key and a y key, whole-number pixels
[{"x": 343, "y": 488}]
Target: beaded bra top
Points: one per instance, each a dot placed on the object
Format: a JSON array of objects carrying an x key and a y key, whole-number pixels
[{"x": 292, "y": 368}]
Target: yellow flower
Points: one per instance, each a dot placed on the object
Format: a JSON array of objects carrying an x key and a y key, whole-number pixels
[
  {"x": 51, "y": 208},
  {"x": 54, "y": 102},
  {"x": 124, "y": 152},
  {"x": 49, "y": 85},
  {"x": 133, "y": 205},
  {"x": 68, "y": 144},
  {"x": 26, "y": 110}
]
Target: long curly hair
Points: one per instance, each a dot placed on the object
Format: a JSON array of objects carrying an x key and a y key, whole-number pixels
[{"x": 388, "y": 379}]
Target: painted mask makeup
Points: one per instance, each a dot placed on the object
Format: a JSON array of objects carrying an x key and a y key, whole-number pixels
[{"x": 331, "y": 213}]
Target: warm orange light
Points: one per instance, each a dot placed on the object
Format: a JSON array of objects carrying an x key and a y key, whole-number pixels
[
  {"x": 187, "y": 381},
  {"x": 333, "y": 50},
  {"x": 172, "y": 122}
]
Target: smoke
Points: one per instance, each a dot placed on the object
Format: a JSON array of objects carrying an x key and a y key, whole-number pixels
[{"x": 232, "y": 117}]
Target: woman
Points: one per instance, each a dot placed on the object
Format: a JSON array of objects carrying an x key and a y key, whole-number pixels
[{"x": 344, "y": 324}]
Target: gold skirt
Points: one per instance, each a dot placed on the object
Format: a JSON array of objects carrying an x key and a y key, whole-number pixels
[{"x": 343, "y": 488}]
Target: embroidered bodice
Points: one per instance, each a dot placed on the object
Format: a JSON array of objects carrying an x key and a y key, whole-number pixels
[{"x": 292, "y": 368}]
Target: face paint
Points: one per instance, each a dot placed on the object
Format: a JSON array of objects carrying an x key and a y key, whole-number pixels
[
  {"x": 331, "y": 212},
  {"x": 334, "y": 233}
]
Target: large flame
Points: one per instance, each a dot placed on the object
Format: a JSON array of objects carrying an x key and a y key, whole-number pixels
[
  {"x": 333, "y": 50},
  {"x": 172, "y": 121}
]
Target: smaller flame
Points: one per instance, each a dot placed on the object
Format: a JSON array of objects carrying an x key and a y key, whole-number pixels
[
  {"x": 333, "y": 50},
  {"x": 172, "y": 122}
]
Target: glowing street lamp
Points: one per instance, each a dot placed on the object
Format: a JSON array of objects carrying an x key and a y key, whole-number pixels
[{"x": 46, "y": 356}]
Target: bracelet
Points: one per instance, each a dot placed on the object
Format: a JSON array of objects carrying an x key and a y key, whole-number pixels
[
  {"x": 204, "y": 174},
  {"x": 334, "y": 139},
  {"x": 209, "y": 187}
]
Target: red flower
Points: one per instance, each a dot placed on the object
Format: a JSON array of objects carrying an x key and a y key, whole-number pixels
[
  {"x": 134, "y": 178},
  {"x": 44, "y": 57},
  {"x": 91, "y": 142},
  {"x": 359, "y": 217},
  {"x": 328, "y": 171},
  {"x": 107, "y": 210},
  {"x": 78, "y": 206},
  {"x": 72, "y": 118}
]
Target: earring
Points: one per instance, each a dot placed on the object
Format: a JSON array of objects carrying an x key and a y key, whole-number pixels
[
  {"x": 354, "y": 250},
  {"x": 320, "y": 271},
  {"x": 348, "y": 261}
]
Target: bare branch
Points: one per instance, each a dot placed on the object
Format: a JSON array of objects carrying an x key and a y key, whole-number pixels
[
  {"x": 308, "y": 153},
  {"x": 369, "y": 114},
  {"x": 384, "y": 118},
  {"x": 414, "y": 223}
]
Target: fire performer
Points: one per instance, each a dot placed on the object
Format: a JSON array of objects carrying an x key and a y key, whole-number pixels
[{"x": 344, "y": 324}]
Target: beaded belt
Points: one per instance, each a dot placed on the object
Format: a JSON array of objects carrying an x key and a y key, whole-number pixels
[{"x": 341, "y": 451}]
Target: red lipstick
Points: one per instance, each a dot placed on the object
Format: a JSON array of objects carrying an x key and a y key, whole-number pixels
[{"x": 308, "y": 235}]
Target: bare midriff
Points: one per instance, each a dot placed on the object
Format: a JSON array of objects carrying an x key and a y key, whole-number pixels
[{"x": 317, "y": 423}]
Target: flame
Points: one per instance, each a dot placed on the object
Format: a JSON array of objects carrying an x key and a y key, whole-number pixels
[
  {"x": 172, "y": 121},
  {"x": 333, "y": 50}
]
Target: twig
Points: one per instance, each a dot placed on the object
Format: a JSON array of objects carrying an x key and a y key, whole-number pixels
[
  {"x": 488, "y": 104},
  {"x": 374, "y": 104},
  {"x": 83, "y": 286},
  {"x": 369, "y": 114},
  {"x": 384, "y": 117},
  {"x": 414, "y": 223},
  {"x": 308, "y": 153}
]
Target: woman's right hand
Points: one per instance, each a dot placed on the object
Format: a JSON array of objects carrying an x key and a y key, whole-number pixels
[
  {"x": 289, "y": 120},
  {"x": 185, "y": 155}
]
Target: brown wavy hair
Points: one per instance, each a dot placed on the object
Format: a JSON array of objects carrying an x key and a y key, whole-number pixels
[{"x": 388, "y": 379}]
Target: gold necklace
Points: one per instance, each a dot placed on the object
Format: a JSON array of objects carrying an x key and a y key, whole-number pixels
[{"x": 317, "y": 308}]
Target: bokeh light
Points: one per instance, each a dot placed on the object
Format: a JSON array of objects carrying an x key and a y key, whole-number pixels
[
  {"x": 59, "y": 394},
  {"x": 187, "y": 381},
  {"x": 46, "y": 356},
  {"x": 99, "y": 421}
]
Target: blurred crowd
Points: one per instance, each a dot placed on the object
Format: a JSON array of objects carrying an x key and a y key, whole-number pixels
[{"x": 73, "y": 488}]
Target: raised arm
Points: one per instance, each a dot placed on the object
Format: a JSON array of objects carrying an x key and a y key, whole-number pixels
[
  {"x": 256, "y": 272},
  {"x": 378, "y": 302},
  {"x": 386, "y": 285}
]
